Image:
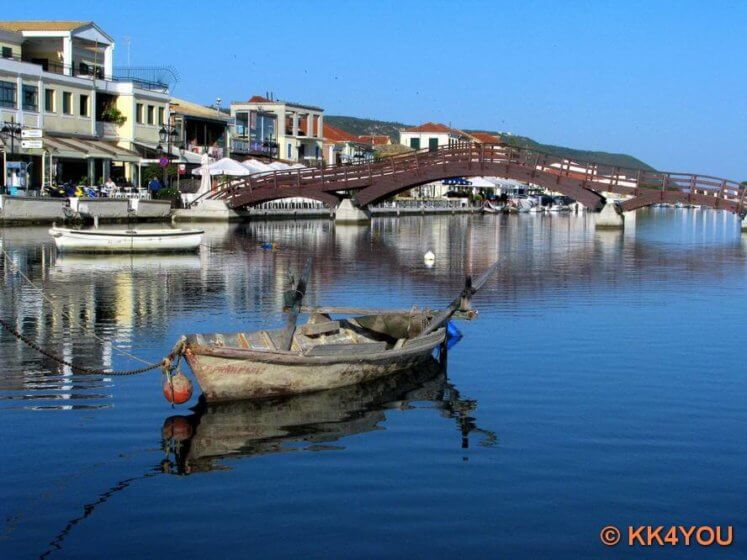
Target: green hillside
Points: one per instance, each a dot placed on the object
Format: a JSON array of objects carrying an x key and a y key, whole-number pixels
[
  {"x": 603, "y": 158},
  {"x": 358, "y": 126}
]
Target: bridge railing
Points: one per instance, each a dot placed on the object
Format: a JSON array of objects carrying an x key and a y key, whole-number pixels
[{"x": 594, "y": 176}]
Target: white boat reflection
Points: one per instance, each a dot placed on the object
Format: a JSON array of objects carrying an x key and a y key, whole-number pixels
[{"x": 86, "y": 263}]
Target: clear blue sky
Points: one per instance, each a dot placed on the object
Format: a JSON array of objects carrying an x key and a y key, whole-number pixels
[{"x": 664, "y": 81}]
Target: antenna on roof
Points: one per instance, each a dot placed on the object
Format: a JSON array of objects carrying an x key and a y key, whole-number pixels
[{"x": 127, "y": 41}]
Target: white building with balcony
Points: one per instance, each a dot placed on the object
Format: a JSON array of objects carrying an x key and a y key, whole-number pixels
[
  {"x": 59, "y": 77},
  {"x": 278, "y": 129}
]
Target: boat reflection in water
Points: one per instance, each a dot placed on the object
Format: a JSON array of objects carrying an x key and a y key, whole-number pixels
[
  {"x": 216, "y": 431},
  {"x": 86, "y": 263}
]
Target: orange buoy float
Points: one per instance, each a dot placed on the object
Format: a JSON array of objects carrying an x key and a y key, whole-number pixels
[{"x": 177, "y": 388}]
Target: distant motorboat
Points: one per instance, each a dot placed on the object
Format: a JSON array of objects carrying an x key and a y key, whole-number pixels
[
  {"x": 536, "y": 209},
  {"x": 523, "y": 205},
  {"x": 490, "y": 208},
  {"x": 560, "y": 209},
  {"x": 126, "y": 240}
]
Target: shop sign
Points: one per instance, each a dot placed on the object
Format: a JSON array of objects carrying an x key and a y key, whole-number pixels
[
  {"x": 32, "y": 144},
  {"x": 31, "y": 133}
]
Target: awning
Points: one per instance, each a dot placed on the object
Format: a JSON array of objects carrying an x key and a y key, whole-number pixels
[
  {"x": 189, "y": 157},
  {"x": 77, "y": 148}
]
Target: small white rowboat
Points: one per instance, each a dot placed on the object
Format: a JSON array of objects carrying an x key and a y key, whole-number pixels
[{"x": 126, "y": 241}]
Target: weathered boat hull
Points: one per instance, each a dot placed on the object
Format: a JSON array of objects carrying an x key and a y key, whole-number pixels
[
  {"x": 233, "y": 373},
  {"x": 126, "y": 241}
]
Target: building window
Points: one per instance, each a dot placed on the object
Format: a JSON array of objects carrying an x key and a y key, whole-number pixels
[
  {"x": 432, "y": 144},
  {"x": 8, "y": 94},
  {"x": 67, "y": 103},
  {"x": 415, "y": 143},
  {"x": 7, "y": 52},
  {"x": 139, "y": 114},
  {"x": 49, "y": 101},
  {"x": 151, "y": 114},
  {"x": 290, "y": 151},
  {"x": 160, "y": 115},
  {"x": 84, "y": 106},
  {"x": 30, "y": 98}
]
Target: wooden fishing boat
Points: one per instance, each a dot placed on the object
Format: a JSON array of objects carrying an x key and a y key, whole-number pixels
[
  {"x": 126, "y": 240},
  {"x": 325, "y": 353}
]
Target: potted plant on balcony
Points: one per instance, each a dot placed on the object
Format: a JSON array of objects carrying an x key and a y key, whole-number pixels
[{"x": 113, "y": 115}]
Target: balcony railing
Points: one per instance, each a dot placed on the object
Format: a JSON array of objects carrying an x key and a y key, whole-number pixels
[{"x": 90, "y": 72}]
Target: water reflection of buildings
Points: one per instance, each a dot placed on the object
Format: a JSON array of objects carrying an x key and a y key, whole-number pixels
[
  {"x": 313, "y": 422},
  {"x": 132, "y": 301}
]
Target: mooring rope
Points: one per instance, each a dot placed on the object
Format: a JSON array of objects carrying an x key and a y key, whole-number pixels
[
  {"x": 64, "y": 313},
  {"x": 163, "y": 364}
]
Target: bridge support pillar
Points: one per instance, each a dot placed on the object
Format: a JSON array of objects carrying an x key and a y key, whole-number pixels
[
  {"x": 611, "y": 217},
  {"x": 346, "y": 213}
]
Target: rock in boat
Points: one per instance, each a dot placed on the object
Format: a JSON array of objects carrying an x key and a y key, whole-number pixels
[{"x": 126, "y": 240}]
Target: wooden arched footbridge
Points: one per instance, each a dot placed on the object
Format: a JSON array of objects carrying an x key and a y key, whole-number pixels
[{"x": 588, "y": 183}]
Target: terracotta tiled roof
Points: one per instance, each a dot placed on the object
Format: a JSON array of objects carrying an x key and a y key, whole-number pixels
[
  {"x": 432, "y": 127},
  {"x": 42, "y": 25},
  {"x": 259, "y": 99},
  {"x": 375, "y": 140},
  {"x": 332, "y": 134},
  {"x": 485, "y": 137}
]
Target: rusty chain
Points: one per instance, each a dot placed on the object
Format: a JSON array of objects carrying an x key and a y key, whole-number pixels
[{"x": 163, "y": 364}]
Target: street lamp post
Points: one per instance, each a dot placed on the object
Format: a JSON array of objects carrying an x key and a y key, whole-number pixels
[
  {"x": 271, "y": 146},
  {"x": 9, "y": 131},
  {"x": 167, "y": 135}
]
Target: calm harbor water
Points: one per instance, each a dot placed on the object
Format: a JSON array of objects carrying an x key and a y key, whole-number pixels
[{"x": 603, "y": 383}]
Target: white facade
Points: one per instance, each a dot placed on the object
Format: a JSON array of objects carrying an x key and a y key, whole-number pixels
[
  {"x": 431, "y": 136},
  {"x": 422, "y": 140},
  {"x": 300, "y": 128},
  {"x": 61, "y": 81}
]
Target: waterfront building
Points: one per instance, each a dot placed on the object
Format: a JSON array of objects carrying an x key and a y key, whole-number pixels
[
  {"x": 432, "y": 136},
  {"x": 199, "y": 130},
  {"x": 342, "y": 148},
  {"x": 265, "y": 126},
  {"x": 58, "y": 77}
]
